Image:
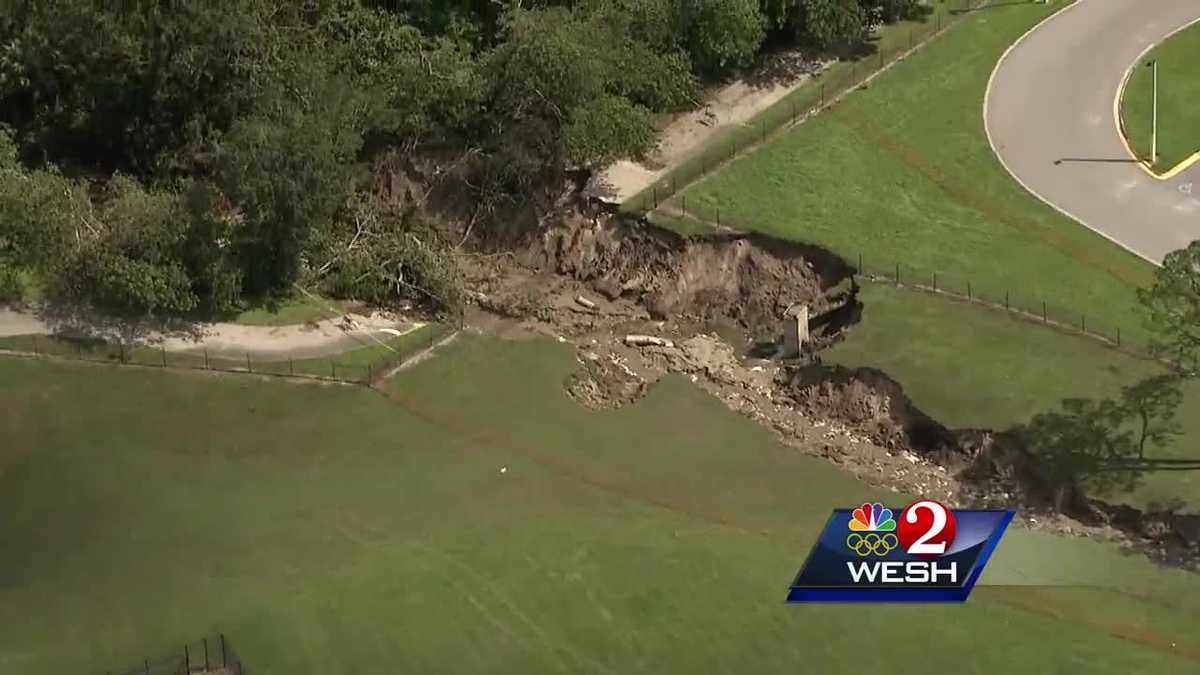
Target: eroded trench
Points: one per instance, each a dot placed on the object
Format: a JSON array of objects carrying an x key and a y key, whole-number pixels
[{"x": 718, "y": 305}]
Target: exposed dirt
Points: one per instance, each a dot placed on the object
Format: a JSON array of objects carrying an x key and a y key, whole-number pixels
[{"x": 720, "y": 303}]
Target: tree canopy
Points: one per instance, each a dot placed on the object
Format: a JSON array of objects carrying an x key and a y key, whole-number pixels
[{"x": 178, "y": 157}]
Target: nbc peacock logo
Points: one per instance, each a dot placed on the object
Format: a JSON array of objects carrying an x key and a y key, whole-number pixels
[
  {"x": 872, "y": 518},
  {"x": 872, "y": 531}
]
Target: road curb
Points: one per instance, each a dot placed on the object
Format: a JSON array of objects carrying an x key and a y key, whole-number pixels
[
  {"x": 1178, "y": 168},
  {"x": 992, "y": 143}
]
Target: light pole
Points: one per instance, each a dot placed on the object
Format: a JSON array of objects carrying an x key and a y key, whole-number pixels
[{"x": 1154, "y": 117}]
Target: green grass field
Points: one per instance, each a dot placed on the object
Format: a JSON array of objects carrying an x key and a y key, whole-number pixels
[
  {"x": 337, "y": 530},
  {"x": 296, "y": 309},
  {"x": 971, "y": 367},
  {"x": 1178, "y": 100},
  {"x": 901, "y": 172}
]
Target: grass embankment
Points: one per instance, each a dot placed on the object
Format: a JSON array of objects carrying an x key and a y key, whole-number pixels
[
  {"x": 340, "y": 530},
  {"x": 889, "y": 41},
  {"x": 973, "y": 367},
  {"x": 1178, "y": 101},
  {"x": 901, "y": 172}
]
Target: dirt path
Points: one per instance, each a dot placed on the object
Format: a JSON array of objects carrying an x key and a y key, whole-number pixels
[
  {"x": 731, "y": 106},
  {"x": 309, "y": 340}
]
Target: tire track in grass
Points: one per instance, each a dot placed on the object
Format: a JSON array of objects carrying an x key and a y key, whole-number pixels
[{"x": 1126, "y": 633}]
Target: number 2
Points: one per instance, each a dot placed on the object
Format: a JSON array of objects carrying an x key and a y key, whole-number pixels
[{"x": 920, "y": 547}]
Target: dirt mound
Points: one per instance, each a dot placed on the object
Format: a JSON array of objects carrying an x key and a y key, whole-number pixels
[
  {"x": 604, "y": 382},
  {"x": 873, "y": 403},
  {"x": 747, "y": 278}
]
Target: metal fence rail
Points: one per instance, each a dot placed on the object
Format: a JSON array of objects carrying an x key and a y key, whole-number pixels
[
  {"x": 210, "y": 655},
  {"x": 1019, "y": 304}
]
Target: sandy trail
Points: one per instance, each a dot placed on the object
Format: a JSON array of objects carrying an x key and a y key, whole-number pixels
[
  {"x": 731, "y": 106},
  {"x": 310, "y": 340}
]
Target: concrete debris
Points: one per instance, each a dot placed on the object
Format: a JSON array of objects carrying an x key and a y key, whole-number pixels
[{"x": 647, "y": 341}]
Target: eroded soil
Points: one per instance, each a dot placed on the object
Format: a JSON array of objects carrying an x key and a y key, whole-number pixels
[{"x": 718, "y": 303}]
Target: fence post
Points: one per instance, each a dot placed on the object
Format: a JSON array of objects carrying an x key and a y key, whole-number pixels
[
  {"x": 163, "y": 351},
  {"x": 968, "y": 289},
  {"x": 1044, "y": 319},
  {"x": 822, "y": 94},
  {"x": 718, "y": 215},
  {"x": 1118, "y": 336},
  {"x": 1005, "y": 299},
  {"x": 187, "y": 660},
  {"x": 655, "y": 189},
  {"x": 935, "y": 282},
  {"x": 224, "y": 662},
  {"x": 206, "y": 668},
  {"x": 910, "y": 39},
  {"x": 206, "y": 358},
  {"x": 897, "y": 274},
  {"x": 146, "y": 663},
  {"x": 1082, "y": 323}
]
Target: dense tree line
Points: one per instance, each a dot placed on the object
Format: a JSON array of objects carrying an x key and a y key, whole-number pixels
[{"x": 185, "y": 156}]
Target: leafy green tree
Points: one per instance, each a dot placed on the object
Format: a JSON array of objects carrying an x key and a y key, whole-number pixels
[
  {"x": 1173, "y": 305},
  {"x": 723, "y": 34},
  {"x": 1152, "y": 403},
  {"x": 608, "y": 128},
  {"x": 831, "y": 23},
  {"x": 426, "y": 84},
  {"x": 129, "y": 260},
  {"x": 130, "y": 86},
  {"x": 381, "y": 254}
]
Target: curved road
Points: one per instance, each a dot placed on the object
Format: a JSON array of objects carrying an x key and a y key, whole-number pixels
[{"x": 1049, "y": 114}]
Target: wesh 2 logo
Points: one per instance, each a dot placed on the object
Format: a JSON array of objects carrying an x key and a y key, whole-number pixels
[{"x": 928, "y": 553}]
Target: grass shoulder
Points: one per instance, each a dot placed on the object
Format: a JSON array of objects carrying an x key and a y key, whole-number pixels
[{"x": 1178, "y": 101}]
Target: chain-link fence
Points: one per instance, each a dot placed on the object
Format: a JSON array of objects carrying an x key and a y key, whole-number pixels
[
  {"x": 363, "y": 365},
  {"x": 1016, "y": 302},
  {"x": 826, "y": 88},
  {"x": 210, "y": 655}
]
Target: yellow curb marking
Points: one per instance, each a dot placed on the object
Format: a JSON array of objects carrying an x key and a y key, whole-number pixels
[{"x": 1178, "y": 168}]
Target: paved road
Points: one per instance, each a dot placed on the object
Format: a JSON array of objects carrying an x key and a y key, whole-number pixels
[{"x": 1049, "y": 115}]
